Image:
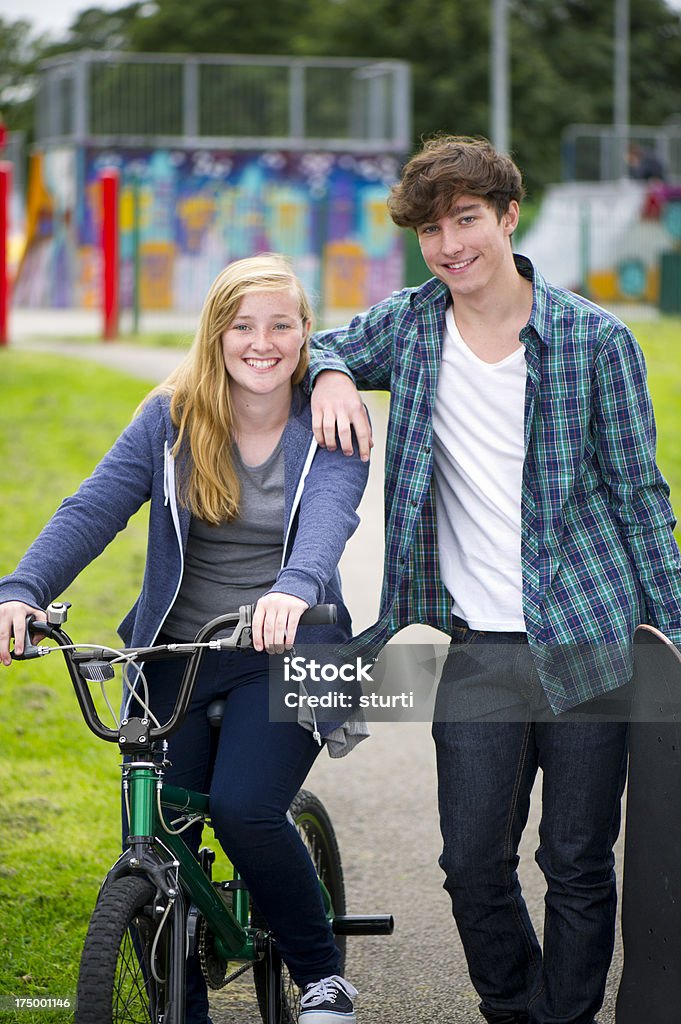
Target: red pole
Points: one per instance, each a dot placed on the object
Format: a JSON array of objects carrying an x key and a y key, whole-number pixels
[
  {"x": 5, "y": 193},
  {"x": 109, "y": 185}
]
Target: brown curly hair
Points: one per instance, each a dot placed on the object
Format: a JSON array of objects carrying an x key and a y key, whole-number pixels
[{"x": 449, "y": 166}]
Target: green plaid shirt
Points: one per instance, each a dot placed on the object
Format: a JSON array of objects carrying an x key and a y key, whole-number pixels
[{"x": 598, "y": 552}]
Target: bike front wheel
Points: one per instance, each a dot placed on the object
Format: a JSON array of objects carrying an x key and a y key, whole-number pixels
[
  {"x": 126, "y": 961},
  {"x": 314, "y": 826}
]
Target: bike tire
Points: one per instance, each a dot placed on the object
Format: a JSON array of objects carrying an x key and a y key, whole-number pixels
[
  {"x": 316, "y": 830},
  {"x": 116, "y": 983}
]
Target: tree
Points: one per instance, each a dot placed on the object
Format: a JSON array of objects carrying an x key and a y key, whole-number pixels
[
  {"x": 447, "y": 45},
  {"x": 99, "y": 28},
  {"x": 219, "y": 26},
  {"x": 20, "y": 51},
  {"x": 561, "y": 56},
  {"x": 568, "y": 77},
  {"x": 561, "y": 64}
]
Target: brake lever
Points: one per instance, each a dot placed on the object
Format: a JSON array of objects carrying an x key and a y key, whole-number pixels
[
  {"x": 245, "y": 638},
  {"x": 241, "y": 636}
]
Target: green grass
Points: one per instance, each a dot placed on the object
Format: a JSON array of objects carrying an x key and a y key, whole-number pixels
[
  {"x": 59, "y": 833},
  {"x": 661, "y": 342},
  {"x": 60, "y": 785}
]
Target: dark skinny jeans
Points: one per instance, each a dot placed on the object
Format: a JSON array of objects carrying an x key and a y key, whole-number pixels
[{"x": 252, "y": 770}]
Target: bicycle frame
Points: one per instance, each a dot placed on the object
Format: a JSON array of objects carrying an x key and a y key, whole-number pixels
[
  {"x": 149, "y": 839},
  {"x": 145, "y": 789},
  {"x": 155, "y": 850}
]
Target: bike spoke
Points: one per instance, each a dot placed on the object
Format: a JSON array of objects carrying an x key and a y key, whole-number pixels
[{"x": 131, "y": 996}]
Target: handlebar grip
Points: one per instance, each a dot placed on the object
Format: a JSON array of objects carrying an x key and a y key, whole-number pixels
[
  {"x": 30, "y": 649},
  {"x": 320, "y": 615}
]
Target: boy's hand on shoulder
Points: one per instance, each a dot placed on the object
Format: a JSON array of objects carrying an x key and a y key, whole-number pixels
[{"x": 337, "y": 412}]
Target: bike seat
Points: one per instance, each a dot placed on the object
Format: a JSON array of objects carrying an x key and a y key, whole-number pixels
[{"x": 215, "y": 712}]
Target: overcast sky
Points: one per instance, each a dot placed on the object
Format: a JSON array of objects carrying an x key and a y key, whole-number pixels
[
  {"x": 52, "y": 15},
  {"x": 57, "y": 15}
]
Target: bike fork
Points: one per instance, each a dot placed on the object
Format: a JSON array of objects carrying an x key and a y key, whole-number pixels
[
  {"x": 175, "y": 1006},
  {"x": 273, "y": 961}
]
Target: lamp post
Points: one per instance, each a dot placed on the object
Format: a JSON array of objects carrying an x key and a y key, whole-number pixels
[
  {"x": 499, "y": 77},
  {"x": 621, "y": 103}
]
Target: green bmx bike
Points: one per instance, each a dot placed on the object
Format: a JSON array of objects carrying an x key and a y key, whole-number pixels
[{"x": 159, "y": 903}]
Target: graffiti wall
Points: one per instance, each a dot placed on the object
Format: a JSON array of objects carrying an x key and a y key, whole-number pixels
[{"x": 186, "y": 214}]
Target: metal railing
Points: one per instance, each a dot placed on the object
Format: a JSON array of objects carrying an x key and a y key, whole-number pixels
[
  {"x": 14, "y": 152},
  {"x": 594, "y": 152},
  {"x": 234, "y": 101}
]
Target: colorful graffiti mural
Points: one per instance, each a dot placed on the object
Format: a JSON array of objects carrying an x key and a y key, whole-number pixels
[{"x": 200, "y": 209}]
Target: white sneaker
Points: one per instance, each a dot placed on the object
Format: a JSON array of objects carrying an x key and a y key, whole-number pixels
[{"x": 328, "y": 1001}]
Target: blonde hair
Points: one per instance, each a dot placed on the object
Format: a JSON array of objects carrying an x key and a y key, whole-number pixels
[{"x": 200, "y": 403}]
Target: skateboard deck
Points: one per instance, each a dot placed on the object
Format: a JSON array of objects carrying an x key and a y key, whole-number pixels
[{"x": 650, "y": 988}]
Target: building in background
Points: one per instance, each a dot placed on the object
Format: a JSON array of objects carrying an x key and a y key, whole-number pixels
[
  {"x": 607, "y": 230},
  {"x": 219, "y": 158}
]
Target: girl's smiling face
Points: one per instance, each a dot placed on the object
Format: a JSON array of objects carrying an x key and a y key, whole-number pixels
[{"x": 261, "y": 347}]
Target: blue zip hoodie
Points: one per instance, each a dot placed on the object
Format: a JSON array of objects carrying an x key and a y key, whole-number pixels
[{"x": 322, "y": 490}]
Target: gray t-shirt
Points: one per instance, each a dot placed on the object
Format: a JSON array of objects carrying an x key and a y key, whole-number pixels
[{"x": 237, "y": 562}]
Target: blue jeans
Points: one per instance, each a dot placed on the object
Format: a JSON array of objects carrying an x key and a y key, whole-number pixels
[
  {"x": 252, "y": 770},
  {"x": 487, "y": 765}
]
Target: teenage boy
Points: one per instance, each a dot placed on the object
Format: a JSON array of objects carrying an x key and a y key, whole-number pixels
[{"x": 525, "y": 516}]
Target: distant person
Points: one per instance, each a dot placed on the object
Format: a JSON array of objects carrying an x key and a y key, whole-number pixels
[
  {"x": 644, "y": 164},
  {"x": 244, "y": 509},
  {"x": 525, "y": 516}
]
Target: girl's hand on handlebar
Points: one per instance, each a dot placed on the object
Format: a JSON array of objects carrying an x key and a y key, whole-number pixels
[
  {"x": 275, "y": 621},
  {"x": 13, "y": 616}
]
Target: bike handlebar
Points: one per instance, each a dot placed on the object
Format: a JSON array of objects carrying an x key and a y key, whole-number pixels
[
  {"x": 239, "y": 639},
  {"x": 320, "y": 615}
]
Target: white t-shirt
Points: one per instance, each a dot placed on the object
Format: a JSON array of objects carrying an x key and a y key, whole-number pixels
[{"x": 478, "y": 446}]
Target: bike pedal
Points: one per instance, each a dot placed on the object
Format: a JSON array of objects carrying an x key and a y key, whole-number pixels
[
  {"x": 363, "y": 924},
  {"x": 206, "y": 860}
]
